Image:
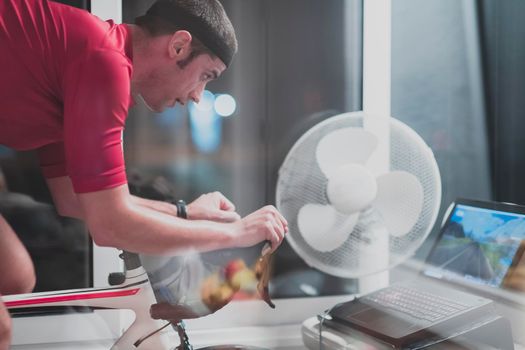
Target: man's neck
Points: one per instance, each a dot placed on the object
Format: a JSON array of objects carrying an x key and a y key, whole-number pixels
[{"x": 139, "y": 40}]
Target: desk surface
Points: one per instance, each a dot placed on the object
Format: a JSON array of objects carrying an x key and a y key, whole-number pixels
[{"x": 285, "y": 337}]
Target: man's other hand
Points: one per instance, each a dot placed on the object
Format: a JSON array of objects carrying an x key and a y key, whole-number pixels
[
  {"x": 214, "y": 207},
  {"x": 265, "y": 224}
]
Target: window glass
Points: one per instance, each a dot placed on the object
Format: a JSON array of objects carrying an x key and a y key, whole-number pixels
[
  {"x": 437, "y": 90},
  {"x": 287, "y": 76}
]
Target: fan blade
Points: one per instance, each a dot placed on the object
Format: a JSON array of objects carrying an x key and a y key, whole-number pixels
[
  {"x": 351, "y": 188},
  {"x": 316, "y": 223},
  {"x": 399, "y": 200},
  {"x": 347, "y": 145}
]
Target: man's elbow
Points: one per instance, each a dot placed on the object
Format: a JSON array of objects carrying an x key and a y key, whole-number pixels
[
  {"x": 62, "y": 210},
  {"x": 67, "y": 211},
  {"x": 108, "y": 224},
  {"x": 104, "y": 236},
  {"x": 107, "y": 232}
]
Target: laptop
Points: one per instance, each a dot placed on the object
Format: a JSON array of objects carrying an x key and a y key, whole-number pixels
[{"x": 478, "y": 245}]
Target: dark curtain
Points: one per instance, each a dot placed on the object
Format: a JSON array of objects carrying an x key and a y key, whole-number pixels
[{"x": 503, "y": 29}]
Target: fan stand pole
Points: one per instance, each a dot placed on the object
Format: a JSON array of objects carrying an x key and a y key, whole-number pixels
[
  {"x": 375, "y": 256},
  {"x": 377, "y": 106}
]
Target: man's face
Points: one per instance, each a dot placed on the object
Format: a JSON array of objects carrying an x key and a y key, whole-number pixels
[{"x": 171, "y": 83}]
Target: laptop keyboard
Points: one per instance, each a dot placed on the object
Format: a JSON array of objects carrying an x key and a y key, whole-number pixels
[{"x": 415, "y": 303}]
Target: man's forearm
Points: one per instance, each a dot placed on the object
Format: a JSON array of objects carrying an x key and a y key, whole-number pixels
[
  {"x": 117, "y": 219},
  {"x": 67, "y": 204},
  {"x": 150, "y": 231},
  {"x": 160, "y": 206}
]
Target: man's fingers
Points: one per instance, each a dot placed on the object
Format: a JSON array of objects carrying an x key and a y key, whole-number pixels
[
  {"x": 225, "y": 203},
  {"x": 267, "y": 248},
  {"x": 275, "y": 237},
  {"x": 281, "y": 228},
  {"x": 282, "y": 220},
  {"x": 201, "y": 213},
  {"x": 230, "y": 216},
  {"x": 278, "y": 233},
  {"x": 225, "y": 216},
  {"x": 278, "y": 216},
  {"x": 281, "y": 225}
]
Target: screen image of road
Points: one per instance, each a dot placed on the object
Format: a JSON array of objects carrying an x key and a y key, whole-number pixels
[{"x": 477, "y": 244}]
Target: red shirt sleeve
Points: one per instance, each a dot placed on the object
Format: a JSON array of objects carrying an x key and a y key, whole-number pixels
[
  {"x": 52, "y": 160},
  {"x": 96, "y": 99}
]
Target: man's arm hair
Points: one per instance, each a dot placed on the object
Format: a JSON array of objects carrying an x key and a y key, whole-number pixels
[
  {"x": 163, "y": 207},
  {"x": 117, "y": 219},
  {"x": 67, "y": 204},
  {"x": 114, "y": 218}
]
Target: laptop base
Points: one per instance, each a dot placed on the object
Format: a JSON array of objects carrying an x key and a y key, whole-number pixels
[{"x": 491, "y": 333}]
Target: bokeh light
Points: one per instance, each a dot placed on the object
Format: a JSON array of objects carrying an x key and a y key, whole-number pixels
[
  {"x": 225, "y": 105},
  {"x": 206, "y": 101}
]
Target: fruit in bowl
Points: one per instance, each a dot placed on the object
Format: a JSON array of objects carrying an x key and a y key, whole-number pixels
[
  {"x": 233, "y": 267},
  {"x": 239, "y": 276}
]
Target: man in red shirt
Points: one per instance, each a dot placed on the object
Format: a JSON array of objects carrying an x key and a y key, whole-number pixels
[{"x": 67, "y": 81}]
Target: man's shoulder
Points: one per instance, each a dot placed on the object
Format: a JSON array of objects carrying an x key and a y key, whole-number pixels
[{"x": 87, "y": 32}]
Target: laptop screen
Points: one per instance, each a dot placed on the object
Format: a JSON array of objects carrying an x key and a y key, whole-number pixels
[{"x": 478, "y": 243}]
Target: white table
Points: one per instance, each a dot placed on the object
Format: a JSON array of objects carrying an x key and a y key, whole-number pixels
[{"x": 285, "y": 337}]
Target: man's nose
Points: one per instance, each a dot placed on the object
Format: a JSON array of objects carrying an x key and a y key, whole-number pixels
[
  {"x": 197, "y": 93},
  {"x": 195, "y": 98}
]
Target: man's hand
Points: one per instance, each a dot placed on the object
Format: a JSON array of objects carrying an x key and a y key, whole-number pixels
[
  {"x": 265, "y": 224},
  {"x": 214, "y": 207}
]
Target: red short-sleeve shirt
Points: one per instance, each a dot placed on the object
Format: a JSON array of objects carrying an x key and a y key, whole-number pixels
[{"x": 65, "y": 90}]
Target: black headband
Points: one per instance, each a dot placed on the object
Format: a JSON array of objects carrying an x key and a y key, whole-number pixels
[{"x": 181, "y": 18}]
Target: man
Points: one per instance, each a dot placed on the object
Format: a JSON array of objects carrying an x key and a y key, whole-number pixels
[{"x": 68, "y": 79}]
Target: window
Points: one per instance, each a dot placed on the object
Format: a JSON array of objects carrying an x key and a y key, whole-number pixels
[
  {"x": 437, "y": 89},
  {"x": 299, "y": 62}
]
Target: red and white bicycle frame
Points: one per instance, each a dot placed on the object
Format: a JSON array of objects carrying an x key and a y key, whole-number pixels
[{"x": 134, "y": 293}]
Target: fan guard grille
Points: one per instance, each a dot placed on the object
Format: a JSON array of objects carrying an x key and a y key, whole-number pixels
[{"x": 301, "y": 181}]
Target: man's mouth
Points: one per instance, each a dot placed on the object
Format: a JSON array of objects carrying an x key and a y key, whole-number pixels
[{"x": 140, "y": 97}]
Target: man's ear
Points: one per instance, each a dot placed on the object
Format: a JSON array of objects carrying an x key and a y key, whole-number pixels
[{"x": 179, "y": 45}]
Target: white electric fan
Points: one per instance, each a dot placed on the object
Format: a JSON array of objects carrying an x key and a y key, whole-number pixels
[{"x": 346, "y": 219}]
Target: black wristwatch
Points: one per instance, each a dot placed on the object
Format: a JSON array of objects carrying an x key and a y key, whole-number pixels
[{"x": 181, "y": 209}]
